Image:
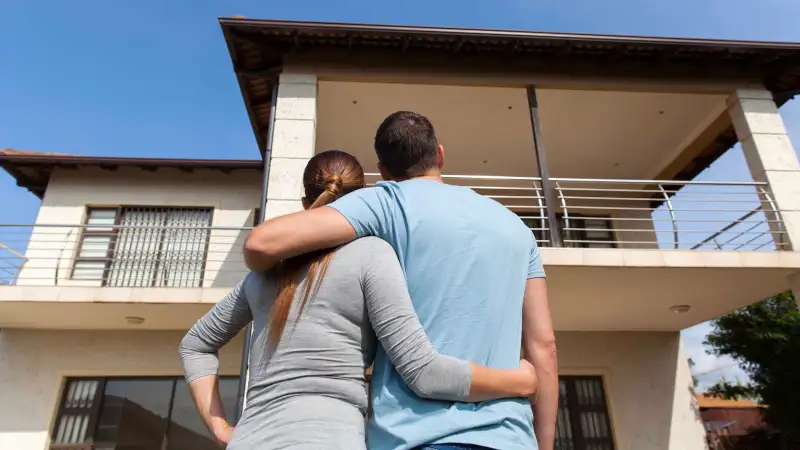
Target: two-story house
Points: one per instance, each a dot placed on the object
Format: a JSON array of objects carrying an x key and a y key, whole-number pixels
[{"x": 595, "y": 141}]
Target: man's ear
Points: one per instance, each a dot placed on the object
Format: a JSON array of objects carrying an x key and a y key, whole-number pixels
[
  {"x": 440, "y": 156},
  {"x": 384, "y": 173},
  {"x": 306, "y": 203}
]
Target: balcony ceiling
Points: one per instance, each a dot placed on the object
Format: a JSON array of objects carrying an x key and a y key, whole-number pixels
[{"x": 487, "y": 131}]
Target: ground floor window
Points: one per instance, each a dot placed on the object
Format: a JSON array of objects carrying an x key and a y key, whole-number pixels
[
  {"x": 134, "y": 413},
  {"x": 158, "y": 414},
  {"x": 583, "y": 421}
]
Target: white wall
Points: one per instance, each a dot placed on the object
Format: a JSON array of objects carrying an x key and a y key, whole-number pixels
[
  {"x": 646, "y": 377},
  {"x": 233, "y": 196},
  {"x": 33, "y": 365},
  {"x": 648, "y": 385}
]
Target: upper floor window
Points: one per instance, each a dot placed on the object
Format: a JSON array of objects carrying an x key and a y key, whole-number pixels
[
  {"x": 134, "y": 413},
  {"x": 579, "y": 231},
  {"x": 136, "y": 246}
]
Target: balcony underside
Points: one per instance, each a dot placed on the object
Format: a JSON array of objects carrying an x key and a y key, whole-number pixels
[
  {"x": 487, "y": 130},
  {"x": 590, "y": 290}
]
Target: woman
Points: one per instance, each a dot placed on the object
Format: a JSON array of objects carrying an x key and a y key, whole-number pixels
[{"x": 316, "y": 322}]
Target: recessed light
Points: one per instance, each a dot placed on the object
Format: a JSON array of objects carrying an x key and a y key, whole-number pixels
[
  {"x": 133, "y": 320},
  {"x": 680, "y": 309}
]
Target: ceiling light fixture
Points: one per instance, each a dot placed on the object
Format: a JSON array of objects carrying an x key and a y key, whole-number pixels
[{"x": 680, "y": 309}]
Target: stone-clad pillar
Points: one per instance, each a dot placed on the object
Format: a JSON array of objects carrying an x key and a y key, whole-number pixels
[
  {"x": 292, "y": 142},
  {"x": 771, "y": 158}
]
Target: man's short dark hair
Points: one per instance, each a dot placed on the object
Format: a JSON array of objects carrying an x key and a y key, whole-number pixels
[{"x": 406, "y": 145}]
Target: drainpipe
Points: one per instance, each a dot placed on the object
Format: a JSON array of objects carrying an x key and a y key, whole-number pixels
[{"x": 244, "y": 370}]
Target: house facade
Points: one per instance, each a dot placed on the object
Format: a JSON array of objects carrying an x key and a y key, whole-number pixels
[{"x": 596, "y": 143}]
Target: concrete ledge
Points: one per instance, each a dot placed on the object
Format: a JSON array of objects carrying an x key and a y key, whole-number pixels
[
  {"x": 600, "y": 257},
  {"x": 74, "y": 294}
]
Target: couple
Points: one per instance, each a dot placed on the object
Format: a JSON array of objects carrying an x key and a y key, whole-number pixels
[{"x": 328, "y": 295}]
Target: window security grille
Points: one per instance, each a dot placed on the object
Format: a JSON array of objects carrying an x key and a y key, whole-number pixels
[
  {"x": 583, "y": 422},
  {"x": 153, "y": 247}
]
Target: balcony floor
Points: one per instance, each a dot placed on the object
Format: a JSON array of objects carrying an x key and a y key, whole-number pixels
[
  {"x": 590, "y": 290},
  {"x": 631, "y": 290}
]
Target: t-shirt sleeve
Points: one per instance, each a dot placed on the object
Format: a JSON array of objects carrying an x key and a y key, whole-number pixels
[
  {"x": 199, "y": 348},
  {"x": 535, "y": 267},
  {"x": 368, "y": 210}
]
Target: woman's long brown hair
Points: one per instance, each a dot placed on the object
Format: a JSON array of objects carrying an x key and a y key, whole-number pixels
[{"x": 328, "y": 176}]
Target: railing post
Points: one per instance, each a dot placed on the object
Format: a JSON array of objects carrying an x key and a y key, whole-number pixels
[
  {"x": 544, "y": 174},
  {"x": 671, "y": 215},
  {"x": 568, "y": 236},
  {"x": 773, "y": 216}
]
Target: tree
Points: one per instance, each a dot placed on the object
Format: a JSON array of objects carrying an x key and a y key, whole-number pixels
[{"x": 765, "y": 340}]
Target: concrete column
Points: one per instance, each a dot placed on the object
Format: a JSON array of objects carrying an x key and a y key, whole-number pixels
[
  {"x": 771, "y": 158},
  {"x": 686, "y": 431},
  {"x": 292, "y": 143}
]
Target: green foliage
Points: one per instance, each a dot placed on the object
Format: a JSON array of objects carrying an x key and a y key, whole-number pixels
[{"x": 765, "y": 340}]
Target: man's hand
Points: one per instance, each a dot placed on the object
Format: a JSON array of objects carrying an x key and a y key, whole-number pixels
[
  {"x": 295, "y": 234},
  {"x": 539, "y": 347}
]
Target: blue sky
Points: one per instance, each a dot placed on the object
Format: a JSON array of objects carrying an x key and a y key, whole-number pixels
[{"x": 153, "y": 78}]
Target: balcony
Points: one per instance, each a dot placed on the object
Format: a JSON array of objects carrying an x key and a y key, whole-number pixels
[
  {"x": 620, "y": 255},
  {"x": 121, "y": 256},
  {"x": 638, "y": 214},
  {"x": 109, "y": 276}
]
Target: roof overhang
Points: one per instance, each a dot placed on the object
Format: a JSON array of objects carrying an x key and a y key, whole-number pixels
[
  {"x": 32, "y": 170},
  {"x": 259, "y": 48}
]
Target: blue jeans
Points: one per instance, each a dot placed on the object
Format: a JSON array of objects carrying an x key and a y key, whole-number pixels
[{"x": 452, "y": 447}]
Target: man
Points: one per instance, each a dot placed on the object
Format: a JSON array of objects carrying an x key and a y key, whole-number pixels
[{"x": 475, "y": 278}]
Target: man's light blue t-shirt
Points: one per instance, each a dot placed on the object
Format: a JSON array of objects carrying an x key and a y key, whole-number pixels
[{"x": 466, "y": 260}]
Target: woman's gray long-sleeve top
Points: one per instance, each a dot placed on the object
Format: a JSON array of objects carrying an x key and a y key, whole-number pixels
[{"x": 311, "y": 392}]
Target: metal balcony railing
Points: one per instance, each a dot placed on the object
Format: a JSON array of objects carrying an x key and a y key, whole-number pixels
[
  {"x": 10, "y": 265},
  {"x": 121, "y": 256},
  {"x": 689, "y": 215},
  {"x": 643, "y": 214},
  {"x": 522, "y": 195}
]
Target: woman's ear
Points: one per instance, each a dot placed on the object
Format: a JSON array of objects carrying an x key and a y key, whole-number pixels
[{"x": 306, "y": 204}]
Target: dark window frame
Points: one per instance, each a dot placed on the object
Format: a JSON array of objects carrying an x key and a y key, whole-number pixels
[
  {"x": 93, "y": 411},
  {"x": 97, "y": 405},
  {"x": 114, "y": 233},
  {"x": 576, "y": 221},
  {"x": 111, "y": 234},
  {"x": 581, "y": 234},
  {"x": 570, "y": 406}
]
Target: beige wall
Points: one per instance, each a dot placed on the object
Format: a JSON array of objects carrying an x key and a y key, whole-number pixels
[
  {"x": 648, "y": 384},
  {"x": 646, "y": 378},
  {"x": 233, "y": 196},
  {"x": 33, "y": 365}
]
